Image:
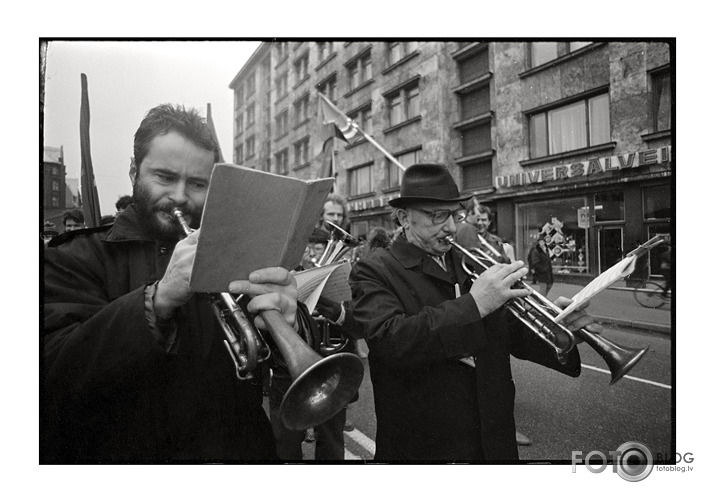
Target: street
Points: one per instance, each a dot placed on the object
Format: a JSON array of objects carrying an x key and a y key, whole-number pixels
[{"x": 561, "y": 414}]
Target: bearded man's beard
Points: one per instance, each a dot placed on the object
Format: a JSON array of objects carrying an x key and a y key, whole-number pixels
[{"x": 148, "y": 212}]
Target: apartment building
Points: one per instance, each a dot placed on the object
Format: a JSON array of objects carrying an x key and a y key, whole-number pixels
[{"x": 568, "y": 140}]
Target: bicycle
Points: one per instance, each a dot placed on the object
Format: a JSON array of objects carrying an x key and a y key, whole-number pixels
[{"x": 651, "y": 294}]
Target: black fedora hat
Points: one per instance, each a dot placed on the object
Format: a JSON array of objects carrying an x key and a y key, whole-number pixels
[{"x": 427, "y": 183}]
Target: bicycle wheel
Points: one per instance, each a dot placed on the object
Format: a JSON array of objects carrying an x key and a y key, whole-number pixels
[{"x": 649, "y": 294}]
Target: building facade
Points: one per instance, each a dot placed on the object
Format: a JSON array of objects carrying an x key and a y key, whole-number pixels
[{"x": 565, "y": 140}]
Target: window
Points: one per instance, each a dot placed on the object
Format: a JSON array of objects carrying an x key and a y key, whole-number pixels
[
  {"x": 281, "y": 51},
  {"x": 398, "y": 50},
  {"x": 302, "y": 110},
  {"x": 250, "y": 84},
  {"x": 301, "y": 69},
  {"x": 477, "y": 139},
  {"x": 239, "y": 154},
  {"x": 55, "y": 185},
  {"x": 609, "y": 206},
  {"x": 477, "y": 175},
  {"x": 250, "y": 147},
  {"x": 570, "y": 127},
  {"x": 475, "y": 103},
  {"x": 543, "y": 52},
  {"x": 661, "y": 101},
  {"x": 394, "y": 173},
  {"x": 282, "y": 86},
  {"x": 238, "y": 96},
  {"x": 557, "y": 223},
  {"x": 239, "y": 123},
  {"x": 360, "y": 71},
  {"x": 473, "y": 66},
  {"x": 266, "y": 71},
  {"x": 55, "y": 170},
  {"x": 328, "y": 87},
  {"x": 325, "y": 49},
  {"x": 282, "y": 162},
  {"x": 656, "y": 202},
  {"x": 251, "y": 115},
  {"x": 360, "y": 180},
  {"x": 363, "y": 118},
  {"x": 404, "y": 104},
  {"x": 301, "y": 152},
  {"x": 55, "y": 201},
  {"x": 282, "y": 124}
]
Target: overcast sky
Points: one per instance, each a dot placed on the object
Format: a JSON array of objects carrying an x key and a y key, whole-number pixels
[{"x": 124, "y": 80}]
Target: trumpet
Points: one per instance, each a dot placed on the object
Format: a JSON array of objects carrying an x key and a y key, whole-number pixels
[
  {"x": 339, "y": 244},
  {"x": 538, "y": 314},
  {"x": 321, "y": 386}
]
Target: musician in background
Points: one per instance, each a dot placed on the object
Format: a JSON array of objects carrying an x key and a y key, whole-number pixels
[
  {"x": 134, "y": 366},
  {"x": 439, "y": 343},
  {"x": 335, "y": 210},
  {"x": 477, "y": 223},
  {"x": 328, "y": 436}
]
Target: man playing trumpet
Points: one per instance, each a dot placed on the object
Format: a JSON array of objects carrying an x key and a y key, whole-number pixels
[
  {"x": 440, "y": 343},
  {"x": 134, "y": 365}
]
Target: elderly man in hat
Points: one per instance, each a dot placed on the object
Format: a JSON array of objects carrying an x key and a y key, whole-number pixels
[{"x": 439, "y": 342}]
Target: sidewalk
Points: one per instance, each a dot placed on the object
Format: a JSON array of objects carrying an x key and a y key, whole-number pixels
[{"x": 617, "y": 306}]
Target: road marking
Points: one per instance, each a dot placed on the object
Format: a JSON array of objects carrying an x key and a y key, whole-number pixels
[
  {"x": 351, "y": 456},
  {"x": 666, "y": 386},
  {"x": 365, "y": 442}
]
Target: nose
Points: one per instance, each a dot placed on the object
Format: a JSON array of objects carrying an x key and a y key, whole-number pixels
[
  {"x": 178, "y": 193},
  {"x": 449, "y": 225}
]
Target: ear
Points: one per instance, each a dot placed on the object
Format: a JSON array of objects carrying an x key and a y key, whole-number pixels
[
  {"x": 403, "y": 218},
  {"x": 132, "y": 171}
]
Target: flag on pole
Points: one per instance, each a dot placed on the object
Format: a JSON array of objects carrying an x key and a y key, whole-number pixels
[
  {"x": 334, "y": 123},
  {"x": 337, "y": 125},
  {"x": 210, "y": 123},
  {"x": 90, "y": 198}
]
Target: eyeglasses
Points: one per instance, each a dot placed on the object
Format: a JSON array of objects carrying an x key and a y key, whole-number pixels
[{"x": 441, "y": 216}]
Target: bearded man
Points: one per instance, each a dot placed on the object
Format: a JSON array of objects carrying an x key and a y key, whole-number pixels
[{"x": 134, "y": 366}]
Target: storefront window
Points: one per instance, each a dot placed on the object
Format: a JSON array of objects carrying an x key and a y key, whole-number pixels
[
  {"x": 557, "y": 223},
  {"x": 656, "y": 202},
  {"x": 609, "y": 206}
]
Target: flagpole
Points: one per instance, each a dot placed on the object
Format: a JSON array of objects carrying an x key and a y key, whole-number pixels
[{"x": 379, "y": 147}]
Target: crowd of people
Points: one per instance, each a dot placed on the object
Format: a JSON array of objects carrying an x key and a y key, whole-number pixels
[{"x": 134, "y": 366}]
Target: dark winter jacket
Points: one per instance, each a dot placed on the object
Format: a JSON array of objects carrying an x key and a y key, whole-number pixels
[
  {"x": 116, "y": 388},
  {"x": 430, "y": 406}
]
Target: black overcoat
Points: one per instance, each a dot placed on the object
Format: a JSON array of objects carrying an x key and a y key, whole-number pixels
[
  {"x": 431, "y": 406},
  {"x": 113, "y": 390}
]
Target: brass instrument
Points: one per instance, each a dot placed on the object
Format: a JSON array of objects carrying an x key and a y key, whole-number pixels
[
  {"x": 538, "y": 313},
  {"x": 339, "y": 244},
  {"x": 321, "y": 386}
]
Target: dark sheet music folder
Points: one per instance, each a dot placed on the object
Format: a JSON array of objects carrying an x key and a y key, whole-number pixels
[{"x": 253, "y": 220}]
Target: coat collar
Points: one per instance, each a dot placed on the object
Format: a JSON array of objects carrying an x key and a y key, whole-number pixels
[{"x": 128, "y": 227}]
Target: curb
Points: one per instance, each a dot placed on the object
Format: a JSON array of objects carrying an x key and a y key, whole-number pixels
[{"x": 638, "y": 325}]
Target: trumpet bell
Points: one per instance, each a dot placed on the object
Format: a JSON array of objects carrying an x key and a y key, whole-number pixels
[{"x": 321, "y": 391}]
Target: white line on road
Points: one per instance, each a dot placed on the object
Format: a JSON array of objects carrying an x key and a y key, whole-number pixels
[
  {"x": 661, "y": 385},
  {"x": 365, "y": 442}
]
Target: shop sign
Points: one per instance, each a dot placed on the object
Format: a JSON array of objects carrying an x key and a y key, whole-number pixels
[
  {"x": 367, "y": 204},
  {"x": 584, "y": 169}
]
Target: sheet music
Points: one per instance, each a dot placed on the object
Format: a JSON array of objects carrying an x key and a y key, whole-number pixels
[
  {"x": 330, "y": 281},
  {"x": 603, "y": 281}
]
